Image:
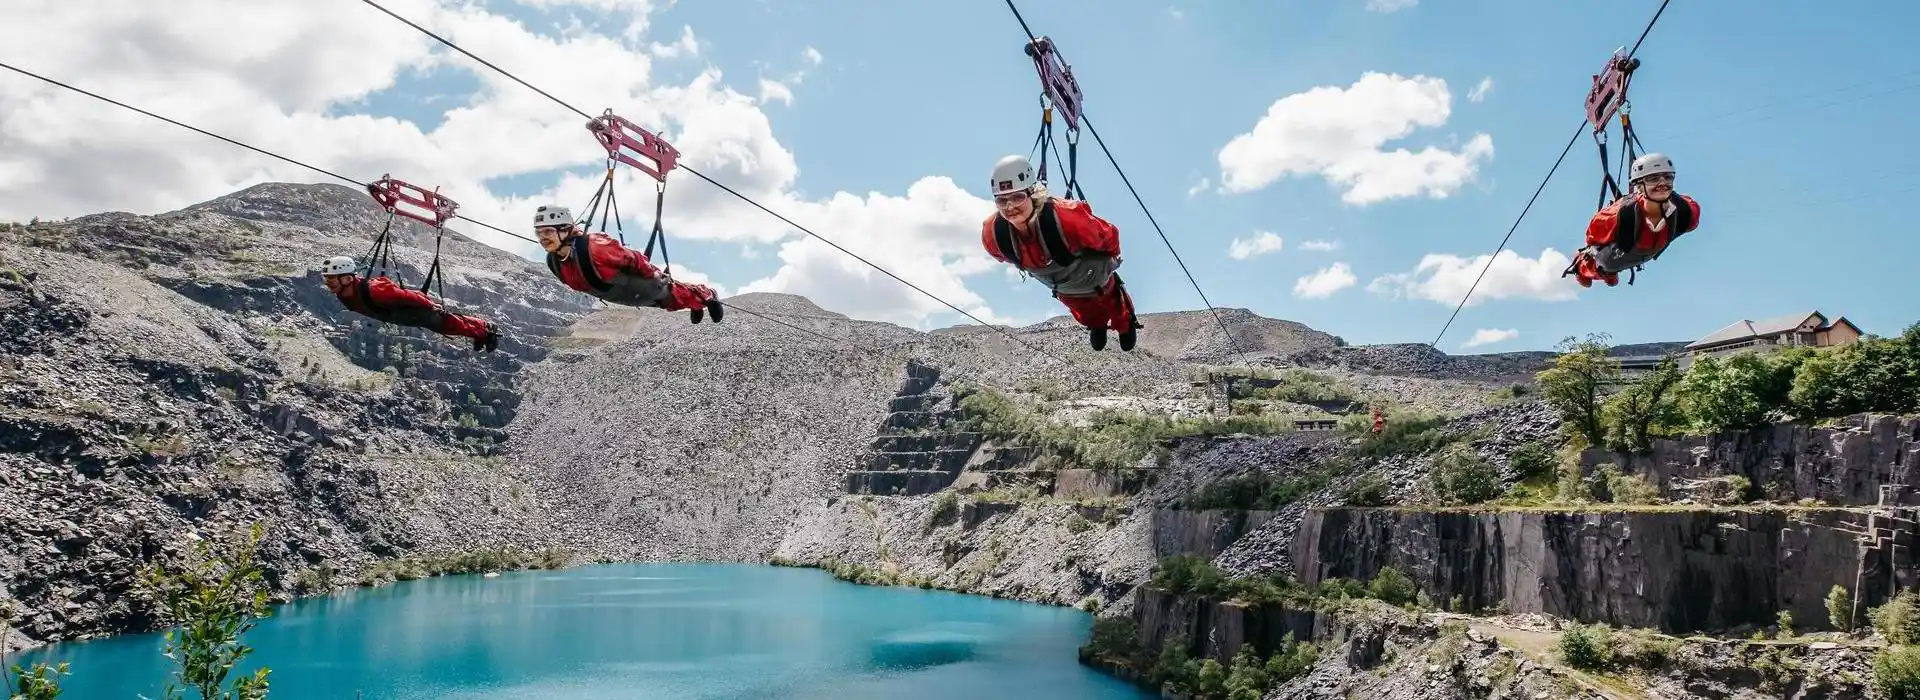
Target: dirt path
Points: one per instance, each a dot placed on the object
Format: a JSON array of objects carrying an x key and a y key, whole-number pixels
[{"x": 1540, "y": 646}]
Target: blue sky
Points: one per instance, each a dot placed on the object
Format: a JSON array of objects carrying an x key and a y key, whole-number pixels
[
  {"x": 1168, "y": 93},
  {"x": 1786, "y": 177},
  {"x": 1787, "y": 124}
]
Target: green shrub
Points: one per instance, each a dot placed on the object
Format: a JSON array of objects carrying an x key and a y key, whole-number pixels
[
  {"x": 1896, "y": 673},
  {"x": 1532, "y": 460},
  {"x": 1461, "y": 477},
  {"x": 1393, "y": 587},
  {"x": 1840, "y": 609},
  {"x": 1587, "y": 647}
]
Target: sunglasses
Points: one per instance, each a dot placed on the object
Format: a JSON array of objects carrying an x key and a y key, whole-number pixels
[
  {"x": 1009, "y": 198},
  {"x": 1663, "y": 178}
]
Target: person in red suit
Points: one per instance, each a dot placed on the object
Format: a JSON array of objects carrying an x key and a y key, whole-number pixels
[
  {"x": 1063, "y": 245},
  {"x": 1637, "y": 228},
  {"x": 382, "y": 300},
  {"x": 617, "y": 274}
]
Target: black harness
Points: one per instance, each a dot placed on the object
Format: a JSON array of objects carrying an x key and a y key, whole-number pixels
[
  {"x": 583, "y": 262},
  {"x": 1050, "y": 238}
]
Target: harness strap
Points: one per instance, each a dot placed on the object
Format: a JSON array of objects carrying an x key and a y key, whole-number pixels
[
  {"x": 582, "y": 262},
  {"x": 1050, "y": 238},
  {"x": 659, "y": 235}
]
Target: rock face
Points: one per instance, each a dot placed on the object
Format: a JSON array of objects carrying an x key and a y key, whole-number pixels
[
  {"x": 134, "y": 419},
  {"x": 251, "y": 255},
  {"x": 1862, "y": 460},
  {"x": 1681, "y": 572}
]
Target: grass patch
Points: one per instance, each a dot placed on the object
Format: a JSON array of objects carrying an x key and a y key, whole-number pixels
[{"x": 1111, "y": 439}]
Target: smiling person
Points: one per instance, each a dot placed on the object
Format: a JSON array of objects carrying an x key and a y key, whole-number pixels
[
  {"x": 597, "y": 265},
  {"x": 1637, "y": 228},
  {"x": 1063, "y": 245}
]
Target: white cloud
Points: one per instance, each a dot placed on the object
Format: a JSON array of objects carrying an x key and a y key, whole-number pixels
[
  {"x": 1338, "y": 133},
  {"x": 1261, "y": 243},
  {"x": 1443, "y": 279},
  {"x": 293, "y": 78},
  {"x": 1479, "y": 92},
  {"x": 1176, "y": 13},
  {"x": 1320, "y": 246},
  {"x": 1198, "y": 187},
  {"x": 686, "y": 45},
  {"x": 1390, "y": 5},
  {"x": 774, "y": 91},
  {"x": 1324, "y": 283},
  {"x": 1489, "y": 336},
  {"x": 813, "y": 56}
]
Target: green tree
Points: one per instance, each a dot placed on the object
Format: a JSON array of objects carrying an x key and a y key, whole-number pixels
[
  {"x": 1246, "y": 676},
  {"x": 1875, "y": 374},
  {"x": 1574, "y": 383},
  {"x": 1742, "y": 391},
  {"x": 39, "y": 682},
  {"x": 214, "y": 598},
  {"x": 1650, "y": 406}
]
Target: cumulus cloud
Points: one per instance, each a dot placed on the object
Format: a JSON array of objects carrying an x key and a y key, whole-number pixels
[
  {"x": 1261, "y": 243},
  {"x": 775, "y": 91},
  {"x": 295, "y": 78},
  {"x": 1444, "y": 279},
  {"x": 1489, "y": 336},
  {"x": 1339, "y": 134},
  {"x": 686, "y": 45},
  {"x": 1324, "y": 283},
  {"x": 1320, "y": 246},
  {"x": 1479, "y": 92}
]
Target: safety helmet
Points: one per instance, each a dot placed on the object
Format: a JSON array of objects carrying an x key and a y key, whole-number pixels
[
  {"x": 552, "y": 215},
  {"x": 337, "y": 265},
  {"x": 1012, "y": 174},
  {"x": 1650, "y": 164}
]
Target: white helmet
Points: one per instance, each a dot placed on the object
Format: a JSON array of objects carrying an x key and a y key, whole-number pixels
[
  {"x": 1012, "y": 174},
  {"x": 552, "y": 215},
  {"x": 337, "y": 265},
  {"x": 1651, "y": 164}
]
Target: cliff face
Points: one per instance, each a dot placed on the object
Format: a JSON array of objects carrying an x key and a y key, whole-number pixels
[
  {"x": 1680, "y": 571},
  {"x": 1850, "y": 463},
  {"x": 134, "y": 419},
  {"x": 251, "y": 254}
]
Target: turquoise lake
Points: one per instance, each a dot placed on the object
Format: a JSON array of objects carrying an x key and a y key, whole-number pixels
[{"x": 681, "y": 631}]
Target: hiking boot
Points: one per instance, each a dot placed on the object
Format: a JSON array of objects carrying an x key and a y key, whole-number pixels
[
  {"x": 1097, "y": 335},
  {"x": 1128, "y": 337},
  {"x": 697, "y": 314},
  {"x": 718, "y": 311}
]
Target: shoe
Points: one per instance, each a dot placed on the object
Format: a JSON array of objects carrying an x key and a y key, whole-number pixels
[
  {"x": 718, "y": 311},
  {"x": 1097, "y": 335},
  {"x": 488, "y": 342},
  {"x": 1129, "y": 337},
  {"x": 697, "y": 314}
]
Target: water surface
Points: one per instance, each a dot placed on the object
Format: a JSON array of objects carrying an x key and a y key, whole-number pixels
[{"x": 681, "y": 631}]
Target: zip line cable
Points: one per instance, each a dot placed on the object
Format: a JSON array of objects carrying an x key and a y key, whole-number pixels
[
  {"x": 728, "y": 190},
  {"x": 1536, "y": 192},
  {"x": 767, "y": 316},
  {"x": 1231, "y": 342},
  {"x": 338, "y": 176}
]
